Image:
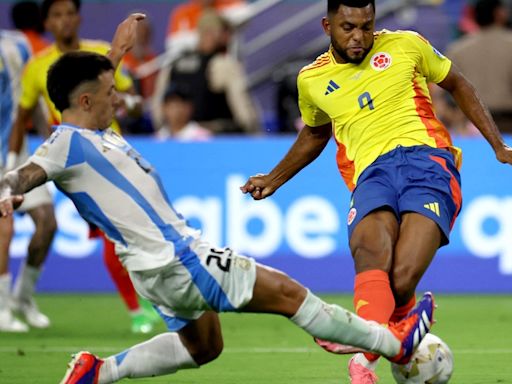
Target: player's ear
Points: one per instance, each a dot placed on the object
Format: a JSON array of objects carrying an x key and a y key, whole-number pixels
[
  {"x": 326, "y": 25},
  {"x": 84, "y": 101}
]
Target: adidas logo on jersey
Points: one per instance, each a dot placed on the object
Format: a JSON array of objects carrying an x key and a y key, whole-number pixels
[
  {"x": 434, "y": 207},
  {"x": 331, "y": 87}
]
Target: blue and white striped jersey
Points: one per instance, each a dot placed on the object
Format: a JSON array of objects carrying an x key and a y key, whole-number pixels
[
  {"x": 113, "y": 187},
  {"x": 14, "y": 53}
]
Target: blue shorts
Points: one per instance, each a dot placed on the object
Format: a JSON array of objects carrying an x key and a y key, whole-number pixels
[{"x": 418, "y": 179}]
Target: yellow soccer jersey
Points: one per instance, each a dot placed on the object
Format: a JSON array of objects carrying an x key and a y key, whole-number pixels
[
  {"x": 378, "y": 104},
  {"x": 33, "y": 82}
]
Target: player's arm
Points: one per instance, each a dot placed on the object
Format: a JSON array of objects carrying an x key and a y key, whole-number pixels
[
  {"x": 468, "y": 101},
  {"x": 124, "y": 38},
  {"x": 16, "y": 183},
  {"x": 310, "y": 142},
  {"x": 23, "y": 116}
]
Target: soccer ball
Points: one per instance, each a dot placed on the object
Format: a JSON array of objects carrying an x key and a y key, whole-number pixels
[{"x": 432, "y": 363}]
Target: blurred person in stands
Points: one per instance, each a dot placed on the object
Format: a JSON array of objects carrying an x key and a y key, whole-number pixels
[
  {"x": 449, "y": 113},
  {"x": 217, "y": 80},
  {"x": 26, "y": 17},
  {"x": 62, "y": 19},
  {"x": 183, "y": 21},
  {"x": 14, "y": 53},
  {"x": 485, "y": 58},
  {"x": 178, "y": 109}
]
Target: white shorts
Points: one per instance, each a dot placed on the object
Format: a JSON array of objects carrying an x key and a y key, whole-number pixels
[{"x": 203, "y": 278}]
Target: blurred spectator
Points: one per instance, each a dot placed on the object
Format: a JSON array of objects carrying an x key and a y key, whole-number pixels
[
  {"x": 183, "y": 21},
  {"x": 217, "y": 80},
  {"x": 26, "y": 17},
  {"x": 467, "y": 23},
  {"x": 14, "y": 52},
  {"x": 449, "y": 113},
  {"x": 178, "y": 109},
  {"x": 485, "y": 58},
  {"x": 288, "y": 114}
]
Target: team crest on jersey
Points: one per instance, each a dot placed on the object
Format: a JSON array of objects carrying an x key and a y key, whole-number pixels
[
  {"x": 380, "y": 61},
  {"x": 351, "y": 215}
]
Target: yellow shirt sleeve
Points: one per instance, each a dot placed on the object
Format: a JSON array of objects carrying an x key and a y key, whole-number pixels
[
  {"x": 122, "y": 79},
  {"x": 29, "y": 86},
  {"x": 432, "y": 63},
  {"x": 311, "y": 114}
]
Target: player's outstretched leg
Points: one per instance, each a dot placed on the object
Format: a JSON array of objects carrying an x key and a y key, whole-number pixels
[
  {"x": 200, "y": 341},
  {"x": 275, "y": 292},
  {"x": 196, "y": 344}
]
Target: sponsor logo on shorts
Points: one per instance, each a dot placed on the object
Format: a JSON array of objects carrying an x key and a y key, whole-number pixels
[
  {"x": 351, "y": 216},
  {"x": 434, "y": 207},
  {"x": 381, "y": 61}
]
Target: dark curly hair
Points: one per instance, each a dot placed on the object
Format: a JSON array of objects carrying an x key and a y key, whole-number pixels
[
  {"x": 333, "y": 5},
  {"x": 71, "y": 70}
]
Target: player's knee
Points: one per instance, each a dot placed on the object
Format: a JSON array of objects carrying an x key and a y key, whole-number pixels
[
  {"x": 370, "y": 254},
  {"x": 206, "y": 352},
  {"x": 50, "y": 223},
  {"x": 292, "y": 295},
  {"x": 405, "y": 280},
  {"x": 44, "y": 220}
]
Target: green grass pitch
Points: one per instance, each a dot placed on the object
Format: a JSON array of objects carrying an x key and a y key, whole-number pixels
[{"x": 258, "y": 348}]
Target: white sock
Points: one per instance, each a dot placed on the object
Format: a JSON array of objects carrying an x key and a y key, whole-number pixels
[
  {"x": 25, "y": 284},
  {"x": 5, "y": 288},
  {"x": 161, "y": 355},
  {"x": 360, "y": 358},
  {"x": 334, "y": 323}
]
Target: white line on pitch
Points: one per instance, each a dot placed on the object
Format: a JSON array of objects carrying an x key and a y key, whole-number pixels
[{"x": 62, "y": 349}]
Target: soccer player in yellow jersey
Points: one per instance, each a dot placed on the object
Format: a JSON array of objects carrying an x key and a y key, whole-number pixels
[
  {"x": 62, "y": 19},
  {"x": 369, "y": 91}
]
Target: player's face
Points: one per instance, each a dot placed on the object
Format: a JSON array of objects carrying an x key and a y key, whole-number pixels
[
  {"x": 63, "y": 21},
  {"x": 104, "y": 101},
  {"x": 351, "y": 32}
]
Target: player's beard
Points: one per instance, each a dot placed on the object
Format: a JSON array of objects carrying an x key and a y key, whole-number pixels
[{"x": 343, "y": 53}]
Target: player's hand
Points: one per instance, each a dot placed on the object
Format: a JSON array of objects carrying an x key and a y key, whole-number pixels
[
  {"x": 9, "y": 204},
  {"x": 124, "y": 38},
  {"x": 504, "y": 154},
  {"x": 259, "y": 186}
]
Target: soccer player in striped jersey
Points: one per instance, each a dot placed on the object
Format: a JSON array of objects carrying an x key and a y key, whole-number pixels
[
  {"x": 14, "y": 53},
  {"x": 188, "y": 280},
  {"x": 369, "y": 91}
]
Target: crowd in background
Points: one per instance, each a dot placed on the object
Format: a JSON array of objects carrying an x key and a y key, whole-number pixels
[{"x": 199, "y": 88}]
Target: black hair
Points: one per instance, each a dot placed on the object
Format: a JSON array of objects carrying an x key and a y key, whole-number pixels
[
  {"x": 71, "y": 70},
  {"x": 333, "y": 5},
  {"x": 180, "y": 91},
  {"x": 47, "y": 4},
  {"x": 27, "y": 15},
  {"x": 484, "y": 11}
]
